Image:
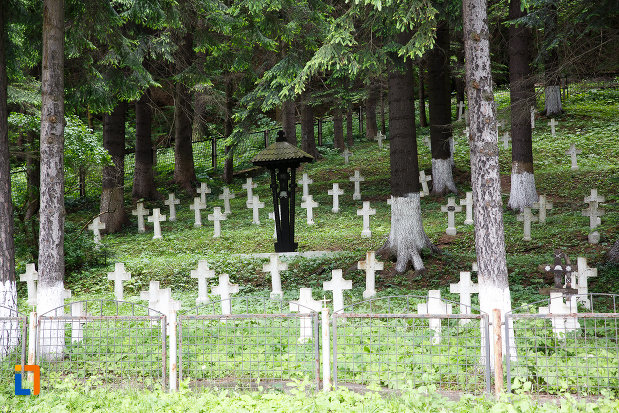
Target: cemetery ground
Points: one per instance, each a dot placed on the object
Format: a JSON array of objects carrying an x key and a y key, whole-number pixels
[{"x": 591, "y": 122}]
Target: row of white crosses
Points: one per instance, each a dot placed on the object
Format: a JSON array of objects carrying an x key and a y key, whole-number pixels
[{"x": 527, "y": 217}]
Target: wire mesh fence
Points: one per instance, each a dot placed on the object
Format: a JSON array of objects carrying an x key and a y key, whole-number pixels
[
  {"x": 556, "y": 349},
  {"x": 386, "y": 342},
  {"x": 13, "y": 329},
  {"x": 259, "y": 344},
  {"x": 119, "y": 343}
]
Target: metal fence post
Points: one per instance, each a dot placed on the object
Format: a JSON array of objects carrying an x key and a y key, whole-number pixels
[
  {"x": 498, "y": 352},
  {"x": 507, "y": 354},
  {"x": 164, "y": 353},
  {"x": 326, "y": 353},
  {"x": 173, "y": 352},
  {"x": 334, "y": 351}
]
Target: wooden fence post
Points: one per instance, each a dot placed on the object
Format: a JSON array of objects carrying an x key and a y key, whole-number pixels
[{"x": 498, "y": 352}]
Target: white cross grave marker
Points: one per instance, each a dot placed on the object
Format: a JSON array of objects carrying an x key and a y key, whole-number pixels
[
  {"x": 451, "y": 208},
  {"x": 197, "y": 206},
  {"x": 527, "y": 217},
  {"x": 573, "y": 152},
  {"x": 366, "y": 211},
  {"x": 171, "y": 202},
  {"x": 335, "y": 193},
  {"x": 553, "y": 123},
  {"x": 152, "y": 295},
  {"x": 466, "y": 133},
  {"x": 274, "y": 266},
  {"x": 309, "y": 204},
  {"x": 118, "y": 276},
  {"x": 460, "y": 110},
  {"x": 465, "y": 288},
  {"x": 542, "y": 205},
  {"x": 305, "y": 182},
  {"x": 337, "y": 284},
  {"x": 227, "y": 196},
  {"x": 557, "y": 307},
  {"x": 30, "y": 277},
  {"x": 346, "y": 154},
  {"x": 249, "y": 186},
  {"x": 356, "y": 179},
  {"x": 156, "y": 219},
  {"x": 435, "y": 306},
  {"x": 77, "y": 327},
  {"x": 65, "y": 295},
  {"x": 202, "y": 273},
  {"x": 594, "y": 214},
  {"x": 370, "y": 265},
  {"x": 423, "y": 180},
  {"x": 224, "y": 289},
  {"x": 468, "y": 203},
  {"x": 95, "y": 226},
  {"x": 140, "y": 212},
  {"x": 380, "y": 137},
  {"x": 203, "y": 190},
  {"x": 532, "y": 117},
  {"x": 256, "y": 205},
  {"x": 272, "y": 216},
  {"x": 305, "y": 305},
  {"x": 580, "y": 281},
  {"x": 506, "y": 140},
  {"x": 217, "y": 217}
]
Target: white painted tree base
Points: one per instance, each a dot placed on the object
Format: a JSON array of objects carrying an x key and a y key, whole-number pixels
[
  {"x": 51, "y": 332},
  {"x": 9, "y": 330},
  {"x": 491, "y": 297},
  {"x": 523, "y": 193},
  {"x": 407, "y": 236},
  {"x": 442, "y": 177},
  {"x": 553, "y": 100}
]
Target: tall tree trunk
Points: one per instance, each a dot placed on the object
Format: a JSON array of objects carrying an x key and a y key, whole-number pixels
[
  {"x": 383, "y": 115},
  {"x": 338, "y": 129},
  {"x": 460, "y": 84},
  {"x": 551, "y": 64},
  {"x": 8, "y": 289},
  {"x": 289, "y": 121},
  {"x": 52, "y": 212},
  {"x": 349, "y": 133},
  {"x": 613, "y": 254},
  {"x": 228, "y": 127},
  {"x": 113, "y": 212},
  {"x": 522, "y": 95},
  {"x": 407, "y": 236},
  {"x": 439, "y": 81},
  {"x": 184, "y": 170},
  {"x": 423, "y": 120},
  {"x": 371, "y": 128},
  {"x": 485, "y": 179},
  {"x": 144, "y": 175},
  {"x": 308, "y": 141}
]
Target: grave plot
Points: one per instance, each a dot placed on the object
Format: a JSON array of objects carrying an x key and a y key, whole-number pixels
[
  {"x": 116, "y": 342},
  {"x": 401, "y": 341},
  {"x": 559, "y": 349},
  {"x": 261, "y": 343}
]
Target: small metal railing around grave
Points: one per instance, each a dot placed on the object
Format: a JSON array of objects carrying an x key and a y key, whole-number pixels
[
  {"x": 559, "y": 350},
  {"x": 260, "y": 344},
  {"x": 386, "y": 342},
  {"x": 117, "y": 342},
  {"x": 13, "y": 330}
]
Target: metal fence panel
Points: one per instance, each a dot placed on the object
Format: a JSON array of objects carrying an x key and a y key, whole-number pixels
[
  {"x": 569, "y": 352},
  {"x": 115, "y": 342},
  {"x": 13, "y": 330},
  {"x": 397, "y": 348},
  {"x": 258, "y": 345}
]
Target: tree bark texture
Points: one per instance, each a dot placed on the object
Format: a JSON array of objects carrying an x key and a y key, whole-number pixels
[
  {"x": 228, "y": 127},
  {"x": 423, "y": 120},
  {"x": 552, "y": 93},
  {"x": 371, "y": 128},
  {"x": 349, "y": 132},
  {"x": 113, "y": 212},
  {"x": 613, "y": 255},
  {"x": 338, "y": 129},
  {"x": 522, "y": 95},
  {"x": 485, "y": 179},
  {"x": 144, "y": 175},
  {"x": 289, "y": 121},
  {"x": 8, "y": 287},
  {"x": 308, "y": 141},
  {"x": 52, "y": 212},
  {"x": 439, "y": 81}
]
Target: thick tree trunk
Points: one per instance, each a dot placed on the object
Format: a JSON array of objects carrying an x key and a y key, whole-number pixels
[
  {"x": 613, "y": 255},
  {"x": 228, "y": 127},
  {"x": 439, "y": 81},
  {"x": 113, "y": 212},
  {"x": 371, "y": 128},
  {"x": 338, "y": 129},
  {"x": 289, "y": 121},
  {"x": 407, "y": 236},
  {"x": 144, "y": 175},
  {"x": 8, "y": 288},
  {"x": 308, "y": 141},
  {"x": 383, "y": 115},
  {"x": 460, "y": 83},
  {"x": 423, "y": 120},
  {"x": 349, "y": 133},
  {"x": 551, "y": 62},
  {"x": 52, "y": 212},
  {"x": 522, "y": 94},
  {"x": 485, "y": 179}
]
